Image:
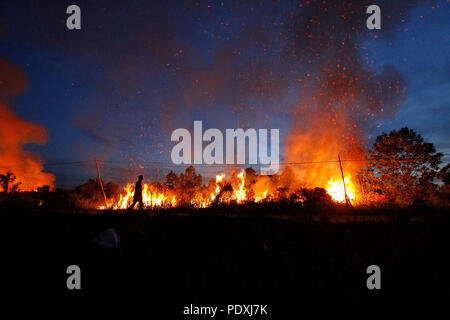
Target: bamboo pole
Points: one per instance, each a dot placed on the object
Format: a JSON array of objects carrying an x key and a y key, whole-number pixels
[
  {"x": 347, "y": 200},
  {"x": 101, "y": 184}
]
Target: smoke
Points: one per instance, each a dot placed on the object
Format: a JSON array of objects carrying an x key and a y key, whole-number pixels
[
  {"x": 234, "y": 64},
  {"x": 341, "y": 97},
  {"x": 16, "y": 132}
]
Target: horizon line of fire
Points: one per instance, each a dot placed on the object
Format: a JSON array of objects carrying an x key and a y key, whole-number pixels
[{"x": 220, "y": 190}]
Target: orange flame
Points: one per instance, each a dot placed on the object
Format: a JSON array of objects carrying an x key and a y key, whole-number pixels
[
  {"x": 237, "y": 189},
  {"x": 240, "y": 194},
  {"x": 151, "y": 197},
  {"x": 335, "y": 189}
]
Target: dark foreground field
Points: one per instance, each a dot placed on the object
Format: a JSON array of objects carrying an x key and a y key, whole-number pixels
[{"x": 172, "y": 261}]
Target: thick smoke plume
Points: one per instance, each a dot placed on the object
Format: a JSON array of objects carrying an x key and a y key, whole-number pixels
[
  {"x": 341, "y": 98},
  {"x": 16, "y": 132}
]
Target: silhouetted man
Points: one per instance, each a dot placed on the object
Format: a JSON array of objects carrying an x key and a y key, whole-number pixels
[{"x": 138, "y": 194}]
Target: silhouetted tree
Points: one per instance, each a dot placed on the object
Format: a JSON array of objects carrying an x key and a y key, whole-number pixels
[
  {"x": 44, "y": 189},
  {"x": 172, "y": 180},
  {"x": 15, "y": 187},
  {"x": 189, "y": 179},
  {"x": 43, "y": 194},
  {"x": 402, "y": 167},
  {"x": 6, "y": 179}
]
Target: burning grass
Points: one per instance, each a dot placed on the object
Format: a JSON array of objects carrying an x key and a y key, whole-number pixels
[{"x": 237, "y": 188}]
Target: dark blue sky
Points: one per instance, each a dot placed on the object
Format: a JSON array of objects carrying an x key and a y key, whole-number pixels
[{"x": 140, "y": 69}]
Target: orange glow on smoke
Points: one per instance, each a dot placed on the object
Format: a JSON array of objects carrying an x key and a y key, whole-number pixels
[
  {"x": 25, "y": 165},
  {"x": 15, "y": 132}
]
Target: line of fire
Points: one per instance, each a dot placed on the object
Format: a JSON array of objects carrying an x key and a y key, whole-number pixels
[{"x": 240, "y": 187}]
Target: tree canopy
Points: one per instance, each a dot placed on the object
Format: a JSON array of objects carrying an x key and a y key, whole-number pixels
[
  {"x": 188, "y": 179},
  {"x": 403, "y": 167}
]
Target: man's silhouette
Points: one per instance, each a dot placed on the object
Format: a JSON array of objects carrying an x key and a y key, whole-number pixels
[{"x": 138, "y": 194}]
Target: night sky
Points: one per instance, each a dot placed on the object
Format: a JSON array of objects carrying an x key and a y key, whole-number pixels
[{"x": 137, "y": 70}]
